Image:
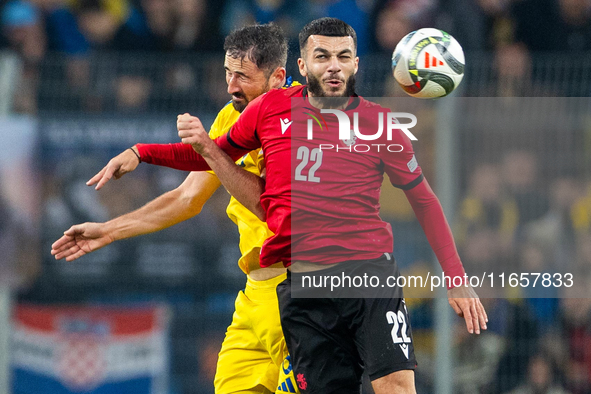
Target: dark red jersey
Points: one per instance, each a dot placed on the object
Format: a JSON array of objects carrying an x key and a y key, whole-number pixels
[{"x": 322, "y": 192}]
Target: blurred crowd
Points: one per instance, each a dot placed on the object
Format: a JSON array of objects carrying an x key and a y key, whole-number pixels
[
  {"x": 97, "y": 56},
  {"x": 80, "y": 29},
  {"x": 514, "y": 218},
  {"x": 517, "y": 215}
]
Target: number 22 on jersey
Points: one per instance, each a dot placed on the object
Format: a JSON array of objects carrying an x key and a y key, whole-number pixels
[{"x": 304, "y": 156}]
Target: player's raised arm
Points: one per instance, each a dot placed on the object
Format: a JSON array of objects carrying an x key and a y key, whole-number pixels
[
  {"x": 169, "y": 209},
  {"x": 181, "y": 156},
  {"x": 243, "y": 185},
  {"x": 184, "y": 155}
]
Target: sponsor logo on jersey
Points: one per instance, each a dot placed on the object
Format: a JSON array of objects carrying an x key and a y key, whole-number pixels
[{"x": 285, "y": 123}]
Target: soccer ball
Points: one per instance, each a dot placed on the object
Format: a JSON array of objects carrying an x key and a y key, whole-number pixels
[{"x": 428, "y": 63}]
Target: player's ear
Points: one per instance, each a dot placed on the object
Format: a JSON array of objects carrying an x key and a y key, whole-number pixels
[
  {"x": 302, "y": 67},
  {"x": 356, "y": 64},
  {"x": 277, "y": 79}
]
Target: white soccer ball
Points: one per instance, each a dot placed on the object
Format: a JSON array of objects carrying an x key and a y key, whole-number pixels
[{"x": 428, "y": 63}]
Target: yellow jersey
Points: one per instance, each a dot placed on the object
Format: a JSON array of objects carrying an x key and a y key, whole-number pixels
[{"x": 253, "y": 232}]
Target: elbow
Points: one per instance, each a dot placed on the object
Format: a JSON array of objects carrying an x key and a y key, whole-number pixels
[
  {"x": 260, "y": 213},
  {"x": 191, "y": 202}
]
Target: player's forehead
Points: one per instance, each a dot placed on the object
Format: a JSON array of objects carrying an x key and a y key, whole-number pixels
[
  {"x": 241, "y": 65},
  {"x": 331, "y": 44}
]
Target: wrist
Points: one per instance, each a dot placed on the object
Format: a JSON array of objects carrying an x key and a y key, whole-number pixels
[
  {"x": 210, "y": 150},
  {"x": 112, "y": 230},
  {"x": 135, "y": 151}
]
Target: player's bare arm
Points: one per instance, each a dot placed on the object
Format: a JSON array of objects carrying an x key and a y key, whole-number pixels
[
  {"x": 118, "y": 166},
  {"x": 166, "y": 210},
  {"x": 246, "y": 187}
]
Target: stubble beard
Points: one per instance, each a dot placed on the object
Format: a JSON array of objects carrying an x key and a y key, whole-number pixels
[
  {"x": 242, "y": 106},
  {"x": 316, "y": 90}
]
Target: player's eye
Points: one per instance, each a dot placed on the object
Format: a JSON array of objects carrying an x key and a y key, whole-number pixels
[{"x": 320, "y": 56}]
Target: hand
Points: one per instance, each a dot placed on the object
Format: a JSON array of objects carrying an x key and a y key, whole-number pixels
[
  {"x": 118, "y": 166},
  {"x": 466, "y": 304},
  {"x": 79, "y": 240},
  {"x": 192, "y": 132}
]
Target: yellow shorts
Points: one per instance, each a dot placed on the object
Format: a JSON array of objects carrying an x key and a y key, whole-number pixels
[{"x": 254, "y": 353}]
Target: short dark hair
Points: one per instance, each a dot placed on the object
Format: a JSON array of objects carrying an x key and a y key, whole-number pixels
[
  {"x": 264, "y": 45},
  {"x": 331, "y": 27}
]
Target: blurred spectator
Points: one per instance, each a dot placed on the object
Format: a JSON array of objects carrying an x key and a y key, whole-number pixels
[
  {"x": 582, "y": 267},
  {"x": 356, "y": 13},
  {"x": 556, "y": 230},
  {"x": 63, "y": 32},
  {"x": 488, "y": 219},
  {"x": 576, "y": 322},
  {"x": 290, "y": 15},
  {"x": 99, "y": 20},
  {"x": 477, "y": 359},
  {"x": 581, "y": 212},
  {"x": 393, "y": 19},
  {"x": 553, "y": 25},
  {"x": 513, "y": 67},
  {"x": 521, "y": 333},
  {"x": 541, "y": 300},
  {"x": 23, "y": 29},
  {"x": 480, "y": 25},
  {"x": 163, "y": 25},
  {"x": 520, "y": 174},
  {"x": 541, "y": 378}
]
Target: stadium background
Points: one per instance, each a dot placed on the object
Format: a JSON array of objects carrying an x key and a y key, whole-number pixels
[{"x": 82, "y": 80}]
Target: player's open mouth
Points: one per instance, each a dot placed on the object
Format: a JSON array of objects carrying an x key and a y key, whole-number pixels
[{"x": 335, "y": 83}]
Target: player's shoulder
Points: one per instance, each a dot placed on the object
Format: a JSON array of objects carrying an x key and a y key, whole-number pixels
[
  {"x": 286, "y": 91},
  {"x": 277, "y": 97},
  {"x": 225, "y": 118},
  {"x": 228, "y": 111}
]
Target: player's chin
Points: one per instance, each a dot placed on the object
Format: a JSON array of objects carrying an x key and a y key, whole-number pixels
[
  {"x": 239, "y": 104},
  {"x": 335, "y": 91}
]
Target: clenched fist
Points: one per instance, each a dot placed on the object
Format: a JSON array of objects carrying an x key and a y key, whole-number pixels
[{"x": 192, "y": 132}]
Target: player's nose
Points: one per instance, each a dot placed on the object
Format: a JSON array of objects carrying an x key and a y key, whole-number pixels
[
  {"x": 233, "y": 86},
  {"x": 334, "y": 65}
]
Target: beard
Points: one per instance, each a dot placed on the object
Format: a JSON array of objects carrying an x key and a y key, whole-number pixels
[
  {"x": 316, "y": 89},
  {"x": 240, "y": 106}
]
